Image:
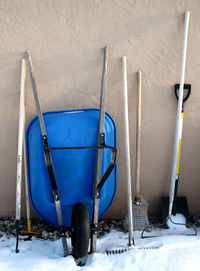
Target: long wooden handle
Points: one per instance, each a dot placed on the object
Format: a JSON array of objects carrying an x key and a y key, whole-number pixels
[{"x": 138, "y": 136}]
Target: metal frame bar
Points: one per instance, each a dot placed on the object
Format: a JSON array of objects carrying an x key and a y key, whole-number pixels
[{"x": 98, "y": 166}]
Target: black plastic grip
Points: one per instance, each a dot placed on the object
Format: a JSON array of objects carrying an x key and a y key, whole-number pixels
[{"x": 186, "y": 86}]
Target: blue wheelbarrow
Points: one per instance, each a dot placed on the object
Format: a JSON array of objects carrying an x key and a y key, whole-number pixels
[{"x": 71, "y": 157}]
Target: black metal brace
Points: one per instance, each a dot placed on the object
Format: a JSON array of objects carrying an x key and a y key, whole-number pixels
[
  {"x": 107, "y": 173},
  {"x": 62, "y": 231},
  {"x": 101, "y": 145},
  {"x": 49, "y": 166}
]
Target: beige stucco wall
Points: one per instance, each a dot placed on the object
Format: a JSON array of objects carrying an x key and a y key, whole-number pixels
[{"x": 66, "y": 40}]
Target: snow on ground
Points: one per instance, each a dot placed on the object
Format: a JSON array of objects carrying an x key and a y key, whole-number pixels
[{"x": 176, "y": 252}]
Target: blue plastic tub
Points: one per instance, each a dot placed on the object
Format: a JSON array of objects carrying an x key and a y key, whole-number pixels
[{"x": 74, "y": 169}]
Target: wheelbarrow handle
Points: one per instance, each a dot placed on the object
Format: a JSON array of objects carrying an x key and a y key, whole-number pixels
[{"x": 185, "y": 87}]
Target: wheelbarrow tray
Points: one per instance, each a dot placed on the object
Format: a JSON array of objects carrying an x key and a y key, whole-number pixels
[{"x": 73, "y": 168}]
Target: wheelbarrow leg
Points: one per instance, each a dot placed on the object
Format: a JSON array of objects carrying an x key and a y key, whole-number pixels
[
  {"x": 94, "y": 226},
  {"x": 47, "y": 157},
  {"x": 98, "y": 167}
]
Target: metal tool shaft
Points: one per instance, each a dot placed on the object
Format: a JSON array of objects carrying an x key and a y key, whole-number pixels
[
  {"x": 47, "y": 155},
  {"x": 98, "y": 167}
]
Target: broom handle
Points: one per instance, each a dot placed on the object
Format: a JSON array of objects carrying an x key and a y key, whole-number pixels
[
  {"x": 179, "y": 123},
  {"x": 127, "y": 152},
  {"x": 138, "y": 137}
]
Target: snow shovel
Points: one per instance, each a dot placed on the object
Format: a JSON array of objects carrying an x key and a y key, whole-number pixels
[
  {"x": 174, "y": 204},
  {"x": 179, "y": 126},
  {"x": 180, "y": 205}
]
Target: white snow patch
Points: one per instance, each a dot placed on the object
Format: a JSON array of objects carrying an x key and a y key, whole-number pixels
[
  {"x": 176, "y": 252},
  {"x": 175, "y": 220}
]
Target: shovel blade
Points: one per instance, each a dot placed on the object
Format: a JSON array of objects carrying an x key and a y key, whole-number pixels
[{"x": 180, "y": 207}]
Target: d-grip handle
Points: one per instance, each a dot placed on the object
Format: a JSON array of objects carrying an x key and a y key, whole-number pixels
[{"x": 186, "y": 86}]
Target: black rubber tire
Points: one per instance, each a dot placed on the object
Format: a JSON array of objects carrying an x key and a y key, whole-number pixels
[{"x": 80, "y": 230}]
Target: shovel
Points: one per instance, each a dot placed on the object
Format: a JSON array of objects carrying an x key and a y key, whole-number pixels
[
  {"x": 179, "y": 204},
  {"x": 173, "y": 204}
]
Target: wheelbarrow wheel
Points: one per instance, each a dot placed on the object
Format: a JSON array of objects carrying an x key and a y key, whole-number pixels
[{"x": 80, "y": 230}]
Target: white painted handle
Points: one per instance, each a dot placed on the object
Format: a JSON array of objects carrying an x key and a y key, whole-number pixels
[
  {"x": 138, "y": 136},
  {"x": 127, "y": 151},
  {"x": 179, "y": 123},
  {"x": 20, "y": 140}
]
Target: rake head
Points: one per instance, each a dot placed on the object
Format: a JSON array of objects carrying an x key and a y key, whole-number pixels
[{"x": 126, "y": 249}]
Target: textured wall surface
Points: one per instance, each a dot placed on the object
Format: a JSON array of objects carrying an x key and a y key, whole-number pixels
[{"x": 66, "y": 40}]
